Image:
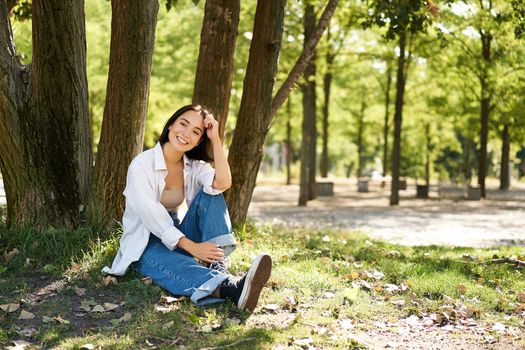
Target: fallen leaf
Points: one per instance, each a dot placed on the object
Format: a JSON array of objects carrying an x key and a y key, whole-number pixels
[
  {"x": 27, "y": 332},
  {"x": 9, "y": 256},
  {"x": 329, "y": 295},
  {"x": 106, "y": 281},
  {"x": 88, "y": 346},
  {"x": 168, "y": 300},
  {"x": 75, "y": 267},
  {"x": 462, "y": 289},
  {"x": 86, "y": 305},
  {"x": 206, "y": 328},
  {"x": 61, "y": 320},
  {"x": 290, "y": 302},
  {"x": 46, "y": 319},
  {"x": 146, "y": 280},
  {"x": 303, "y": 342},
  {"x": 109, "y": 306},
  {"x": 98, "y": 308},
  {"x": 26, "y": 315},
  {"x": 126, "y": 317},
  {"x": 80, "y": 291},
  {"x": 521, "y": 296},
  {"x": 10, "y": 307},
  {"x": 498, "y": 327},
  {"x": 352, "y": 275},
  {"x": 271, "y": 307},
  {"x": 398, "y": 302},
  {"x": 18, "y": 345},
  {"x": 335, "y": 267}
]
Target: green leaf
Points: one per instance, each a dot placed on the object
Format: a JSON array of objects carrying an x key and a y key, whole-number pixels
[{"x": 350, "y": 294}]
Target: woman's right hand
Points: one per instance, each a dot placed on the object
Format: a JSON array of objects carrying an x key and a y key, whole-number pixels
[{"x": 207, "y": 252}]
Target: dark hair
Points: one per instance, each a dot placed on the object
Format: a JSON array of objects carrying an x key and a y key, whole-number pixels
[{"x": 199, "y": 152}]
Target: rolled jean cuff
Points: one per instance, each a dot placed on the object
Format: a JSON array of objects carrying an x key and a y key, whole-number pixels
[
  {"x": 227, "y": 242},
  {"x": 201, "y": 295}
]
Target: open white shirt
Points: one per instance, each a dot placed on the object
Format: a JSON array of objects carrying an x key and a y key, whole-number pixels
[{"x": 144, "y": 214}]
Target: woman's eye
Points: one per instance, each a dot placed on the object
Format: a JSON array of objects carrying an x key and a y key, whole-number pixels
[{"x": 196, "y": 133}]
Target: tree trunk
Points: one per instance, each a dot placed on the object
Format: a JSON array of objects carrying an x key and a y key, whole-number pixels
[
  {"x": 289, "y": 150},
  {"x": 213, "y": 79},
  {"x": 45, "y": 140},
  {"x": 247, "y": 145},
  {"x": 132, "y": 37},
  {"x": 468, "y": 170},
  {"x": 309, "y": 138},
  {"x": 398, "y": 117},
  {"x": 486, "y": 39},
  {"x": 254, "y": 114},
  {"x": 327, "y": 83},
  {"x": 360, "y": 133},
  {"x": 427, "y": 155},
  {"x": 386, "y": 125},
  {"x": 504, "y": 174}
]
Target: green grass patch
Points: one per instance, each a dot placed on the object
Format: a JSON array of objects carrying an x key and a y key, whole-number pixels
[{"x": 321, "y": 281}]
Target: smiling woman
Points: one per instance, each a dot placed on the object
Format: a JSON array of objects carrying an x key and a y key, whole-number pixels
[{"x": 188, "y": 257}]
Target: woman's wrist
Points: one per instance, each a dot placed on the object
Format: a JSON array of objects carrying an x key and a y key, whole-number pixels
[{"x": 186, "y": 244}]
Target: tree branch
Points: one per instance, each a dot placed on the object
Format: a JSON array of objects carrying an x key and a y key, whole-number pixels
[
  {"x": 304, "y": 58},
  {"x": 518, "y": 263}
]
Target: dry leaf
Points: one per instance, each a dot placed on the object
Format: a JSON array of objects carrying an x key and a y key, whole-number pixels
[
  {"x": 80, "y": 291},
  {"x": 271, "y": 307},
  {"x": 352, "y": 275},
  {"x": 126, "y": 317},
  {"x": 521, "y": 296},
  {"x": 75, "y": 267},
  {"x": 61, "y": 320},
  {"x": 290, "y": 302},
  {"x": 106, "y": 281},
  {"x": 9, "y": 256},
  {"x": 86, "y": 305},
  {"x": 109, "y": 306},
  {"x": 462, "y": 289},
  {"x": 88, "y": 346},
  {"x": 206, "y": 328},
  {"x": 398, "y": 302},
  {"x": 168, "y": 300},
  {"x": 46, "y": 319},
  {"x": 10, "y": 307},
  {"x": 26, "y": 315},
  {"x": 98, "y": 308},
  {"x": 27, "y": 332},
  {"x": 329, "y": 295},
  {"x": 18, "y": 345},
  {"x": 147, "y": 280}
]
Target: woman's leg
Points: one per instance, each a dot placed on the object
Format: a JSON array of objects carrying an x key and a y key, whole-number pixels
[
  {"x": 179, "y": 273},
  {"x": 207, "y": 220}
]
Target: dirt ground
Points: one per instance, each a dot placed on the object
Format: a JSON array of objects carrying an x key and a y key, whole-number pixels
[{"x": 497, "y": 220}]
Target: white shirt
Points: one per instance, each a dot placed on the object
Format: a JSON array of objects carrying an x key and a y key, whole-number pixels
[{"x": 144, "y": 213}]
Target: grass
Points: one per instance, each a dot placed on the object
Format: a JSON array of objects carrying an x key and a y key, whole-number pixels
[{"x": 320, "y": 280}]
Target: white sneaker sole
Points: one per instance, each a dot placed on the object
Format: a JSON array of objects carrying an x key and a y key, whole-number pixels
[{"x": 256, "y": 279}]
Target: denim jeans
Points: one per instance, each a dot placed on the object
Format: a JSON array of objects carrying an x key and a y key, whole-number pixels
[{"x": 207, "y": 220}]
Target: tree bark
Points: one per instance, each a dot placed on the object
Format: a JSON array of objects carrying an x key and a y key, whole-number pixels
[
  {"x": 398, "y": 117},
  {"x": 254, "y": 114},
  {"x": 309, "y": 127},
  {"x": 289, "y": 149},
  {"x": 386, "y": 123},
  {"x": 327, "y": 83},
  {"x": 427, "y": 155},
  {"x": 360, "y": 133},
  {"x": 213, "y": 79},
  {"x": 132, "y": 37},
  {"x": 45, "y": 146},
  {"x": 247, "y": 141},
  {"x": 504, "y": 175}
]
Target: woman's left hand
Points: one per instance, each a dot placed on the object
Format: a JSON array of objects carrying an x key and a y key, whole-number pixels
[{"x": 212, "y": 127}]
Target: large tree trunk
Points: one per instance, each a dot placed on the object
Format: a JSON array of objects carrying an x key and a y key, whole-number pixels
[
  {"x": 45, "y": 141},
  {"x": 386, "y": 126},
  {"x": 484, "y": 117},
  {"x": 255, "y": 110},
  {"x": 398, "y": 117},
  {"x": 428, "y": 155},
  {"x": 327, "y": 83},
  {"x": 360, "y": 133},
  {"x": 309, "y": 127},
  {"x": 246, "y": 150},
  {"x": 132, "y": 37},
  {"x": 467, "y": 168},
  {"x": 213, "y": 78},
  {"x": 504, "y": 174}
]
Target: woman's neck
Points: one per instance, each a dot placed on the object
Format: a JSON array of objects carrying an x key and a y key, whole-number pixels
[{"x": 170, "y": 155}]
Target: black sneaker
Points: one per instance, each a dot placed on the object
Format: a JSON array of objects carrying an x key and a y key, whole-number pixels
[
  {"x": 245, "y": 293},
  {"x": 220, "y": 266}
]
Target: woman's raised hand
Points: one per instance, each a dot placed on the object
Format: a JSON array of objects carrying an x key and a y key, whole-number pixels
[{"x": 212, "y": 127}]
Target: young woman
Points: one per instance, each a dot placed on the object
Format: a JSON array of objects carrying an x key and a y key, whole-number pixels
[{"x": 185, "y": 258}]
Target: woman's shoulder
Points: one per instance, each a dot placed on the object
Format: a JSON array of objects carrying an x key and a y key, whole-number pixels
[{"x": 144, "y": 159}]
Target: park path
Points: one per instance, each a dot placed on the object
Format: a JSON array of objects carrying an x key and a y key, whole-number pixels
[{"x": 497, "y": 220}]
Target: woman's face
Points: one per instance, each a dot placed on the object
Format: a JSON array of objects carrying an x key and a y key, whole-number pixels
[{"x": 187, "y": 130}]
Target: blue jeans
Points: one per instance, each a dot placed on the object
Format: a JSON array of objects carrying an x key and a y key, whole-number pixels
[{"x": 207, "y": 220}]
